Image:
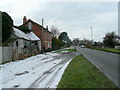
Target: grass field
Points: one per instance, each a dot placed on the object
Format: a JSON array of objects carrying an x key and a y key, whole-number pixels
[
  {"x": 112, "y": 50},
  {"x": 80, "y": 73}
]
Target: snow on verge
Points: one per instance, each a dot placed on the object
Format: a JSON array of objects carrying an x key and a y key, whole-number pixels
[{"x": 59, "y": 76}]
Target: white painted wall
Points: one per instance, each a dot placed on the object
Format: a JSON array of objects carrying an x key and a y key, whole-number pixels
[
  {"x": 13, "y": 52},
  {"x": 39, "y": 45}
]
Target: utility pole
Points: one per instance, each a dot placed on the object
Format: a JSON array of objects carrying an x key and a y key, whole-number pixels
[
  {"x": 83, "y": 36},
  {"x": 42, "y": 43},
  {"x": 91, "y": 34}
]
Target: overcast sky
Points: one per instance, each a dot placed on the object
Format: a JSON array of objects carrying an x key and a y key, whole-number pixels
[{"x": 75, "y": 18}]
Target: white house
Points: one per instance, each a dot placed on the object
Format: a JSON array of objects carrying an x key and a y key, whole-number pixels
[{"x": 24, "y": 44}]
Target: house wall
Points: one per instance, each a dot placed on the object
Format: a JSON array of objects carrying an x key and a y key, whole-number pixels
[
  {"x": 37, "y": 31},
  {"x": 24, "y": 49},
  {"x": 19, "y": 50},
  {"x": 47, "y": 36},
  {"x": 47, "y": 40},
  {"x": 39, "y": 45}
]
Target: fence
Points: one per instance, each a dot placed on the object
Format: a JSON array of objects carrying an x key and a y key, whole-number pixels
[
  {"x": 8, "y": 53},
  {"x": 5, "y": 54}
]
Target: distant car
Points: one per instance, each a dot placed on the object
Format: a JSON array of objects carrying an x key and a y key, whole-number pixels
[{"x": 82, "y": 46}]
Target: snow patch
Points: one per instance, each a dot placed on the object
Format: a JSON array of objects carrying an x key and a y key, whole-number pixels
[
  {"x": 40, "y": 71},
  {"x": 28, "y": 36}
]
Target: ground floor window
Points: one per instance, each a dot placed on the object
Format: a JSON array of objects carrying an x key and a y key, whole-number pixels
[{"x": 49, "y": 45}]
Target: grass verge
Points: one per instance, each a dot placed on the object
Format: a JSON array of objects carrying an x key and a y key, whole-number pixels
[
  {"x": 68, "y": 50},
  {"x": 80, "y": 73},
  {"x": 112, "y": 50}
]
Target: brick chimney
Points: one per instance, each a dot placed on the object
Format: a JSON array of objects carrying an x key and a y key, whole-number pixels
[
  {"x": 47, "y": 27},
  {"x": 24, "y": 19}
]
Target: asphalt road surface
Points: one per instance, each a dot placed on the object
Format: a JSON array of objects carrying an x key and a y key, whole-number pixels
[{"x": 105, "y": 61}]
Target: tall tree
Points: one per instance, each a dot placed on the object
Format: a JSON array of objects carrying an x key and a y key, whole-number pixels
[
  {"x": 64, "y": 38},
  {"x": 111, "y": 39},
  {"x": 7, "y": 24},
  {"x": 55, "y": 31}
]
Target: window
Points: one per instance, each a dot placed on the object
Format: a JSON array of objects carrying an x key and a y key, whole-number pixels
[
  {"x": 35, "y": 42},
  {"x": 49, "y": 44},
  {"x": 25, "y": 46},
  {"x": 16, "y": 43},
  {"x": 29, "y": 25}
]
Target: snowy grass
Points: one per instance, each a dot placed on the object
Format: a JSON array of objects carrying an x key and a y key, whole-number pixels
[
  {"x": 80, "y": 73},
  {"x": 66, "y": 50}
]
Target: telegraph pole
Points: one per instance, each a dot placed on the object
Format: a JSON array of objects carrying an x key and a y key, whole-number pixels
[
  {"x": 91, "y": 34},
  {"x": 42, "y": 43}
]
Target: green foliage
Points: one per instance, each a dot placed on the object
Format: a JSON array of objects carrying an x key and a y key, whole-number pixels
[
  {"x": 7, "y": 24},
  {"x": 0, "y": 28},
  {"x": 80, "y": 73},
  {"x": 64, "y": 37},
  {"x": 48, "y": 50},
  {"x": 69, "y": 50},
  {"x": 112, "y": 50},
  {"x": 56, "y": 43},
  {"x": 23, "y": 28},
  {"x": 111, "y": 39}
]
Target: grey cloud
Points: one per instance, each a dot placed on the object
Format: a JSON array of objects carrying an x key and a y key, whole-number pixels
[{"x": 76, "y": 18}]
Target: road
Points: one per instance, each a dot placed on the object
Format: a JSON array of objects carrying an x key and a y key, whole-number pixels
[
  {"x": 40, "y": 71},
  {"x": 106, "y": 62}
]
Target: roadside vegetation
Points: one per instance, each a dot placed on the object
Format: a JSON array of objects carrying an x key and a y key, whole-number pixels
[
  {"x": 80, "y": 73},
  {"x": 56, "y": 43},
  {"x": 23, "y": 28},
  {"x": 112, "y": 50},
  {"x": 65, "y": 50},
  {"x": 7, "y": 24},
  {"x": 111, "y": 39},
  {"x": 110, "y": 43}
]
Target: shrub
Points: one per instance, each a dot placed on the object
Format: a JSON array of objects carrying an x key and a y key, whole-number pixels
[
  {"x": 56, "y": 43},
  {"x": 7, "y": 24},
  {"x": 48, "y": 50},
  {"x": 23, "y": 28}
]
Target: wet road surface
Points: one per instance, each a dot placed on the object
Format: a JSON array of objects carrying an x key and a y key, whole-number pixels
[{"x": 105, "y": 61}]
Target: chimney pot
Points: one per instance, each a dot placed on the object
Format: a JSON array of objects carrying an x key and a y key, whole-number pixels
[
  {"x": 24, "y": 19},
  {"x": 47, "y": 27}
]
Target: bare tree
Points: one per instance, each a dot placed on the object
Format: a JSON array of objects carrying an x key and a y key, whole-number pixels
[{"x": 55, "y": 31}]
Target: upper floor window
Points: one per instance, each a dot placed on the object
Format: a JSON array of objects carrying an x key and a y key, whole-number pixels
[{"x": 29, "y": 25}]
